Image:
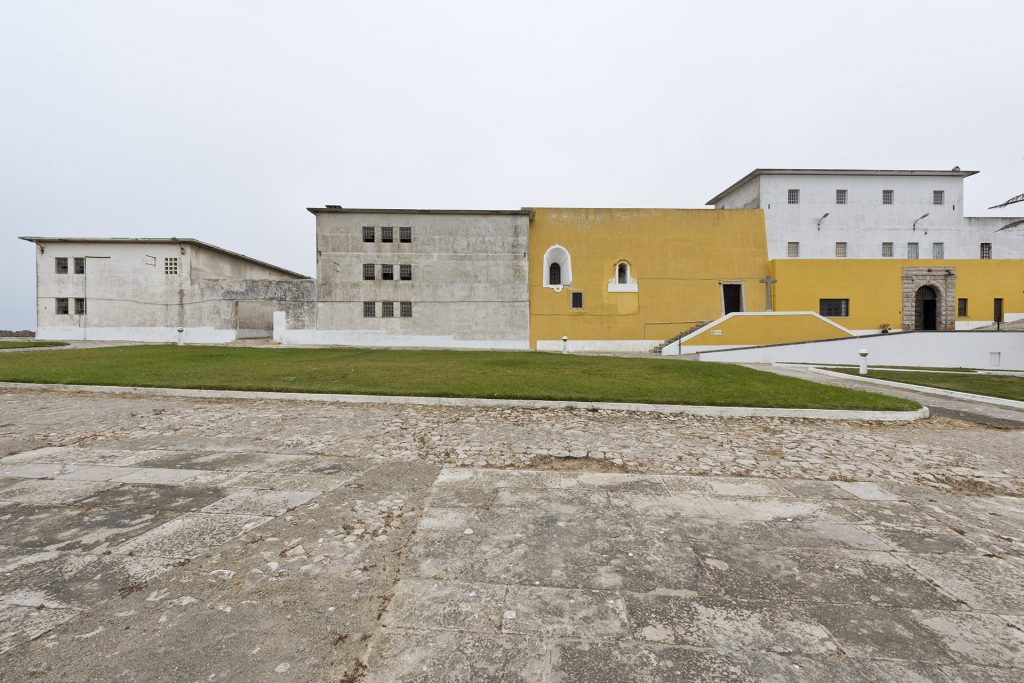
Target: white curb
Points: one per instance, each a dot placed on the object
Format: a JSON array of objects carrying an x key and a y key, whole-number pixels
[
  {"x": 669, "y": 409},
  {"x": 1005, "y": 402}
]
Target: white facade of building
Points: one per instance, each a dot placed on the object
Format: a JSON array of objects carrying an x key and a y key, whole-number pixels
[
  {"x": 419, "y": 278},
  {"x": 822, "y": 213},
  {"x": 159, "y": 290}
]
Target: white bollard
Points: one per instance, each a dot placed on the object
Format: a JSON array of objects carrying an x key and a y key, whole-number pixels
[
  {"x": 863, "y": 353},
  {"x": 565, "y": 344},
  {"x": 181, "y": 336}
]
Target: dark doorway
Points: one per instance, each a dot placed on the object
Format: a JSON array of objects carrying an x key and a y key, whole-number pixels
[
  {"x": 732, "y": 298},
  {"x": 926, "y": 309}
]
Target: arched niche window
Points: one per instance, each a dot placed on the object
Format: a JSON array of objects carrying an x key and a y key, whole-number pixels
[
  {"x": 557, "y": 268},
  {"x": 622, "y": 279}
]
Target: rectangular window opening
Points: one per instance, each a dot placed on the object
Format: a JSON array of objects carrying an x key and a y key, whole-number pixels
[
  {"x": 840, "y": 196},
  {"x": 961, "y": 308},
  {"x": 368, "y": 233},
  {"x": 938, "y": 197},
  {"x": 577, "y": 300},
  {"x": 387, "y": 309},
  {"x": 405, "y": 234},
  {"x": 938, "y": 250},
  {"x": 406, "y": 309},
  {"x": 171, "y": 266},
  {"x": 387, "y": 272},
  {"x": 60, "y": 265},
  {"x": 834, "y": 308},
  {"x": 986, "y": 250},
  {"x": 912, "y": 250},
  {"x": 79, "y": 306},
  {"x": 79, "y": 265},
  {"x": 793, "y": 196},
  {"x": 369, "y": 271},
  {"x": 62, "y": 306},
  {"x": 887, "y": 196},
  {"x": 369, "y": 309},
  {"x": 887, "y": 249},
  {"x": 840, "y": 249},
  {"x": 405, "y": 271},
  {"x": 387, "y": 234},
  {"x": 793, "y": 249}
]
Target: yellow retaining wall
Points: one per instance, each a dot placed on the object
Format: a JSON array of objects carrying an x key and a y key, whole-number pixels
[
  {"x": 767, "y": 328},
  {"x": 875, "y": 287},
  {"x": 679, "y": 257}
]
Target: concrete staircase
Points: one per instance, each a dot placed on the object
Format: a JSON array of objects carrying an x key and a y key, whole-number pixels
[{"x": 657, "y": 349}]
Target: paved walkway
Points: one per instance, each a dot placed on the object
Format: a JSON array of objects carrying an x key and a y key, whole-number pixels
[
  {"x": 146, "y": 538},
  {"x": 972, "y": 411}
]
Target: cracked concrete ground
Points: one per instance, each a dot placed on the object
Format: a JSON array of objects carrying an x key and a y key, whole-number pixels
[{"x": 173, "y": 539}]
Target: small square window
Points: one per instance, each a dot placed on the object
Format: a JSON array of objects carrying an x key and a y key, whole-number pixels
[
  {"x": 938, "y": 197},
  {"x": 79, "y": 306},
  {"x": 369, "y": 271},
  {"x": 887, "y": 249},
  {"x": 961, "y": 308},
  {"x": 887, "y": 196},
  {"x": 986, "y": 250},
  {"x": 368, "y": 233},
  {"x": 171, "y": 266},
  {"x": 406, "y": 309},
  {"x": 938, "y": 250},
  {"x": 834, "y": 308},
  {"x": 405, "y": 271},
  {"x": 577, "y": 300},
  {"x": 840, "y": 249},
  {"x": 79, "y": 265},
  {"x": 387, "y": 272},
  {"x": 60, "y": 265},
  {"x": 387, "y": 309},
  {"x": 62, "y": 305},
  {"x": 405, "y": 234},
  {"x": 793, "y": 196},
  {"x": 912, "y": 251},
  {"x": 387, "y": 234},
  {"x": 793, "y": 249},
  {"x": 369, "y": 309},
  {"x": 840, "y": 196}
]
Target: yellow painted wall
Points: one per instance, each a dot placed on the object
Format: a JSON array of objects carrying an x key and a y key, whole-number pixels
[
  {"x": 678, "y": 257},
  {"x": 875, "y": 287},
  {"x": 755, "y": 330}
]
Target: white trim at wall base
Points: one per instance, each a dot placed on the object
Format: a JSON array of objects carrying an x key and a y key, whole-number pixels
[
  {"x": 598, "y": 345},
  {"x": 190, "y": 335},
  {"x": 377, "y": 339}
]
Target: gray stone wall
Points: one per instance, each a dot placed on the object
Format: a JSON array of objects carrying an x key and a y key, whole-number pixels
[{"x": 943, "y": 281}]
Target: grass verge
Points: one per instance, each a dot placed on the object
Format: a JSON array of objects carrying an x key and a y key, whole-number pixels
[
  {"x": 479, "y": 374},
  {"x": 29, "y": 344},
  {"x": 999, "y": 386}
]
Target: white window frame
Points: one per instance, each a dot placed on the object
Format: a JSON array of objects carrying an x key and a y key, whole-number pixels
[
  {"x": 841, "y": 249},
  {"x": 556, "y": 253},
  {"x": 938, "y": 197},
  {"x": 630, "y": 285},
  {"x": 938, "y": 250},
  {"x": 916, "y": 248}
]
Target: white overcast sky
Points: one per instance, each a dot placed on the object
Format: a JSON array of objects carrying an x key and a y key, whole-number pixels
[{"x": 224, "y": 120}]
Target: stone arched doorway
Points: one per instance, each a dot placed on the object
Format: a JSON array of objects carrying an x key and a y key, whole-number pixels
[{"x": 926, "y": 308}]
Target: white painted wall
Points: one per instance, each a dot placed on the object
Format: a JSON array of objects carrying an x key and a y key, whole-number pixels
[
  {"x": 925, "y": 349},
  {"x": 599, "y": 345},
  {"x": 864, "y": 222},
  {"x": 381, "y": 339}
]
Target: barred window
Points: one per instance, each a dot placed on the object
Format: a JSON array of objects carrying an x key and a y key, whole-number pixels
[
  {"x": 369, "y": 271},
  {"x": 171, "y": 266},
  {"x": 840, "y": 196},
  {"x": 793, "y": 196},
  {"x": 62, "y": 306},
  {"x": 841, "y": 249},
  {"x": 387, "y": 234},
  {"x": 577, "y": 300},
  {"x": 368, "y": 233},
  {"x": 79, "y": 265},
  {"x": 961, "y": 308},
  {"x": 834, "y": 308},
  {"x": 369, "y": 309},
  {"x": 938, "y": 250},
  {"x": 887, "y": 196},
  {"x": 912, "y": 251},
  {"x": 793, "y": 249},
  {"x": 406, "y": 308},
  {"x": 60, "y": 265},
  {"x": 986, "y": 250},
  {"x": 387, "y": 272},
  {"x": 79, "y": 306},
  {"x": 938, "y": 197},
  {"x": 387, "y": 309},
  {"x": 887, "y": 249},
  {"x": 405, "y": 234},
  {"x": 405, "y": 271}
]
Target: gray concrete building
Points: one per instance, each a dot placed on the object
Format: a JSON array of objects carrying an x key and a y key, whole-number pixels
[
  {"x": 424, "y": 278},
  {"x": 160, "y": 290}
]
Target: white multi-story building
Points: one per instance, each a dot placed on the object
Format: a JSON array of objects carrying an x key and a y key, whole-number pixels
[{"x": 870, "y": 214}]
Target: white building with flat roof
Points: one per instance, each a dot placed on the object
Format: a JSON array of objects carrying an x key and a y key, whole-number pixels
[{"x": 870, "y": 214}]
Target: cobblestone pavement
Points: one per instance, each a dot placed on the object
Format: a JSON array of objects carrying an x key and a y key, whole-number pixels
[{"x": 146, "y": 538}]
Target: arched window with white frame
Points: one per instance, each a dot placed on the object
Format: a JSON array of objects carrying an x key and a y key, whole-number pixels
[
  {"x": 622, "y": 279},
  {"x": 557, "y": 268}
]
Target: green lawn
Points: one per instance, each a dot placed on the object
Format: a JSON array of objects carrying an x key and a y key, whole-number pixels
[
  {"x": 28, "y": 343},
  {"x": 1000, "y": 386},
  {"x": 436, "y": 373}
]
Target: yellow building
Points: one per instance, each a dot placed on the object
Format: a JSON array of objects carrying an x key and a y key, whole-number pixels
[
  {"x": 629, "y": 279},
  {"x": 865, "y": 295}
]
